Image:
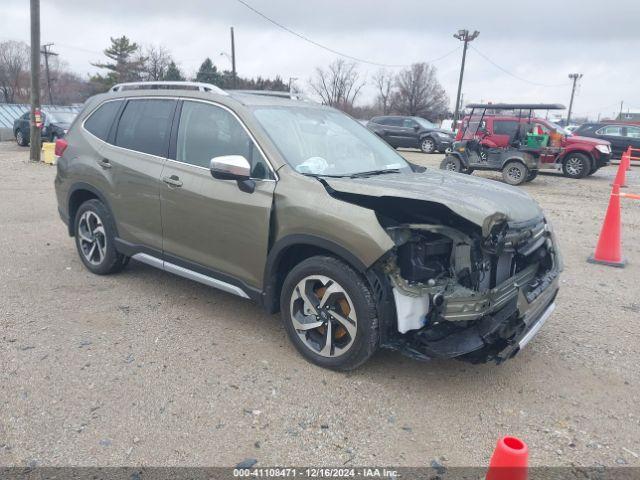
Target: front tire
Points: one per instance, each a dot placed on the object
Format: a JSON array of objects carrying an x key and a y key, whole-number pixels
[
  {"x": 94, "y": 230},
  {"x": 451, "y": 164},
  {"x": 428, "y": 145},
  {"x": 576, "y": 165},
  {"x": 329, "y": 313},
  {"x": 515, "y": 173}
]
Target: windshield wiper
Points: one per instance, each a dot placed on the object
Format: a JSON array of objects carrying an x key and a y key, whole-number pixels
[{"x": 374, "y": 172}]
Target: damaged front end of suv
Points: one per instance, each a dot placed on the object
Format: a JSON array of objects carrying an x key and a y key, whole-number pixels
[{"x": 465, "y": 279}]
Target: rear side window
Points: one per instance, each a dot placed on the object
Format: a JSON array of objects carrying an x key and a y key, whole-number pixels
[
  {"x": 144, "y": 126},
  {"x": 613, "y": 130},
  {"x": 502, "y": 127},
  {"x": 99, "y": 122},
  {"x": 207, "y": 131}
]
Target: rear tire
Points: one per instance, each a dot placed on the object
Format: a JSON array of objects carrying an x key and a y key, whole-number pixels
[
  {"x": 20, "y": 139},
  {"x": 94, "y": 230},
  {"x": 532, "y": 175},
  {"x": 515, "y": 173},
  {"x": 309, "y": 317},
  {"x": 576, "y": 165}
]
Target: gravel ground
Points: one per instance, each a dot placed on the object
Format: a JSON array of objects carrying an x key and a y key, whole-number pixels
[{"x": 145, "y": 368}]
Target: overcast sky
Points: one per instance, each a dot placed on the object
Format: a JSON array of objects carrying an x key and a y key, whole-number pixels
[{"x": 538, "y": 41}]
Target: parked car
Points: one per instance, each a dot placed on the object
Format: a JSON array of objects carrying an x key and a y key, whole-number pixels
[
  {"x": 578, "y": 155},
  {"x": 620, "y": 135},
  {"x": 55, "y": 125},
  {"x": 300, "y": 208},
  {"x": 411, "y": 132}
]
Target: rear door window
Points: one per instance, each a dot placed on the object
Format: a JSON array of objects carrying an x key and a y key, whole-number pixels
[
  {"x": 145, "y": 126},
  {"x": 611, "y": 130},
  {"x": 100, "y": 121}
]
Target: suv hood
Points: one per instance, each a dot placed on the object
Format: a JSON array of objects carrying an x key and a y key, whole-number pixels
[
  {"x": 591, "y": 141},
  {"x": 478, "y": 200}
]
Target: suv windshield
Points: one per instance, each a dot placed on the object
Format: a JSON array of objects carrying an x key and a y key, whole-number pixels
[
  {"x": 425, "y": 123},
  {"x": 326, "y": 142}
]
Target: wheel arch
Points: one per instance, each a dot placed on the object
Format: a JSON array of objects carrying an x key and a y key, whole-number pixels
[
  {"x": 289, "y": 251},
  {"x": 79, "y": 193}
]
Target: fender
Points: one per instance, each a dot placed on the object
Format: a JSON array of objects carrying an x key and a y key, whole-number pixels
[
  {"x": 276, "y": 255},
  {"x": 90, "y": 188},
  {"x": 565, "y": 152}
]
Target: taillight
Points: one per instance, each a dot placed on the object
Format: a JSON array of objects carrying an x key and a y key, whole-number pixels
[{"x": 61, "y": 146}]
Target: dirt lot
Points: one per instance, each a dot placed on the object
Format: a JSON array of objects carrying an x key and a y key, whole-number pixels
[{"x": 148, "y": 368}]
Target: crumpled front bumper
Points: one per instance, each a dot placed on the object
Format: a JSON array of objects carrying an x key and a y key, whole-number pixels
[{"x": 511, "y": 318}]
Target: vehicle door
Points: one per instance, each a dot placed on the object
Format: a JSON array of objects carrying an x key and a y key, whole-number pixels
[
  {"x": 616, "y": 135},
  {"x": 211, "y": 225},
  {"x": 132, "y": 163},
  {"x": 411, "y": 131},
  {"x": 395, "y": 132}
]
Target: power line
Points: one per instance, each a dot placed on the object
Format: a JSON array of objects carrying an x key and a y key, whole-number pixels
[
  {"x": 329, "y": 49},
  {"x": 513, "y": 74}
]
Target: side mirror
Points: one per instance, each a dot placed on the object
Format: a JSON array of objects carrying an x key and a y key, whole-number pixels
[
  {"x": 416, "y": 127},
  {"x": 230, "y": 167},
  {"x": 233, "y": 167}
]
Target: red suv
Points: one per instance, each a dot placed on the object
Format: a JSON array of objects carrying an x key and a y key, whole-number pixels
[{"x": 578, "y": 157}]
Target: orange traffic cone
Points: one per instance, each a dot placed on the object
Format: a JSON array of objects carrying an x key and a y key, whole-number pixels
[
  {"x": 509, "y": 460},
  {"x": 609, "y": 250},
  {"x": 621, "y": 174}
]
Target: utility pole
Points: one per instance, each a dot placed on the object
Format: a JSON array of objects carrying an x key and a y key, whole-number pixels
[
  {"x": 575, "y": 77},
  {"x": 46, "y": 51},
  {"x": 621, "y": 105},
  {"x": 233, "y": 60},
  {"x": 466, "y": 37},
  {"x": 34, "y": 136}
]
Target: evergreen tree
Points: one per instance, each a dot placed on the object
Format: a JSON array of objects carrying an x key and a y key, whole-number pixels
[
  {"x": 173, "y": 73},
  {"x": 208, "y": 73},
  {"x": 127, "y": 62}
]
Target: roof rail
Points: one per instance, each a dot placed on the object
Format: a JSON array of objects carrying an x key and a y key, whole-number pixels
[
  {"x": 201, "y": 87},
  {"x": 273, "y": 93}
]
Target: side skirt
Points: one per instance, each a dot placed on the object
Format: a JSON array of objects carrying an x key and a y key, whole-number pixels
[{"x": 188, "y": 270}]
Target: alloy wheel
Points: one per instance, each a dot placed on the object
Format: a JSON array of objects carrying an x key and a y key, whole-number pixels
[
  {"x": 93, "y": 238},
  {"x": 451, "y": 165},
  {"x": 323, "y": 316},
  {"x": 428, "y": 145},
  {"x": 574, "y": 166},
  {"x": 19, "y": 138}
]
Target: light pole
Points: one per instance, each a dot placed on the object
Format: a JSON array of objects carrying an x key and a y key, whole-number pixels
[
  {"x": 575, "y": 77},
  {"x": 466, "y": 37}
]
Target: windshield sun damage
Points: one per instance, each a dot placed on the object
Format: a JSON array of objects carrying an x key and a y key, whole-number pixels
[{"x": 317, "y": 141}]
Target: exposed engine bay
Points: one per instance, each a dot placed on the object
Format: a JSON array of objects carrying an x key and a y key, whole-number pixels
[{"x": 461, "y": 289}]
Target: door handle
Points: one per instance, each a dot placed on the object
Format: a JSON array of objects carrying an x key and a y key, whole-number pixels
[
  {"x": 172, "y": 181},
  {"x": 104, "y": 163}
]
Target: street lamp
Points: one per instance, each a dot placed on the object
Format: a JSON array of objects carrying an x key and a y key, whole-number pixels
[{"x": 466, "y": 37}]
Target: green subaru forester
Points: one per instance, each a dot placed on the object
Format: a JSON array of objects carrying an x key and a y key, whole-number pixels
[{"x": 300, "y": 208}]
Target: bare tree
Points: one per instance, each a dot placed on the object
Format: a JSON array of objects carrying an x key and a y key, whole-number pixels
[
  {"x": 14, "y": 70},
  {"x": 419, "y": 93},
  {"x": 339, "y": 85},
  {"x": 383, "y": 81},
  {"x": 156, "y": 64}
]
